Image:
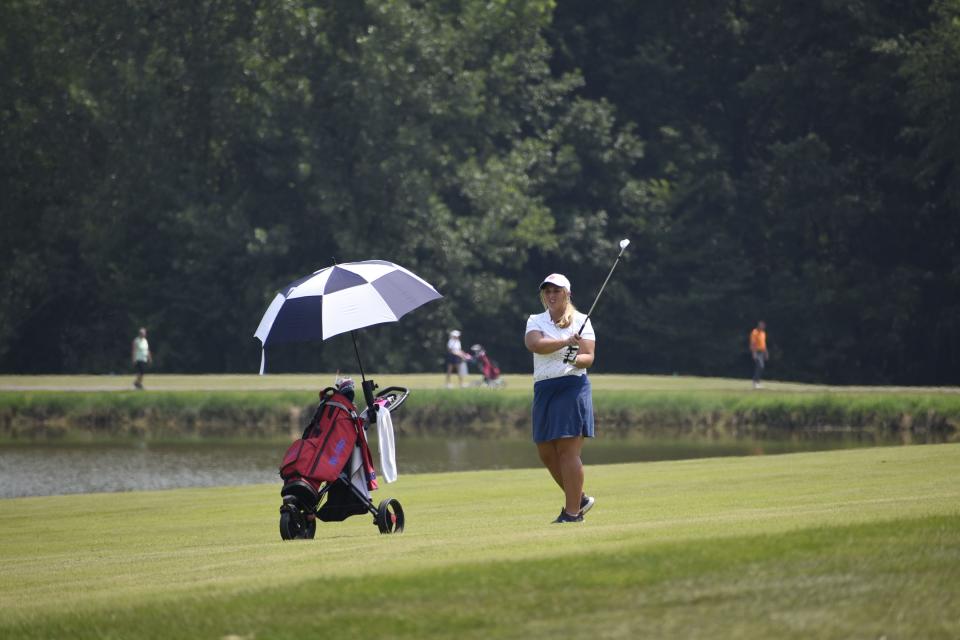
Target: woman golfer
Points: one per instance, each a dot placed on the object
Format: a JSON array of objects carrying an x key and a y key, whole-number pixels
[{"x": 562, "y": 399}]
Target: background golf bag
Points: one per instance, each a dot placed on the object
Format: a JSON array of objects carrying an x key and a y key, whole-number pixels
[{"x": 488, "y": 368}]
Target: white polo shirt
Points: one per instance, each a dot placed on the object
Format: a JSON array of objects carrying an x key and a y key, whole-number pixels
[
  {"x": 551, "y": 365},
  {"x": 141, "y": 349},
  {"x": 453, "y": 345}
]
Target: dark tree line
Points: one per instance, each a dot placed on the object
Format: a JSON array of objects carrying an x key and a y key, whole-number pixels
[{"x": 796, "y": 162}]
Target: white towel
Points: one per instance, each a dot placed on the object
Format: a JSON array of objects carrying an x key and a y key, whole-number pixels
[{"x": 388, "y": 454}]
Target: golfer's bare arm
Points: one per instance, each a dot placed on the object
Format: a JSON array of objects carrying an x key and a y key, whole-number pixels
[{"x": 536, "y": 342}]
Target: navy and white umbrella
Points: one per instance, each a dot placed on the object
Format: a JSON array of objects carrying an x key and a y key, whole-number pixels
[{"x": 339, "y": 299}]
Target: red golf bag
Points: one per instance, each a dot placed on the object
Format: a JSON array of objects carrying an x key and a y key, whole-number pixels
[
  {"x": 328, "y": 473},
  {"x": 327, "y": 442}
]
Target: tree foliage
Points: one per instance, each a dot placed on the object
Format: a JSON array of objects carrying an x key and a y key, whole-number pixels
[{"x": 174, "y": 168}]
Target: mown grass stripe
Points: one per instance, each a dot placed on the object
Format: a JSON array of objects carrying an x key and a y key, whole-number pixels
[
  {"x": 848, "y": 581},
  {"x": 803, "y": 545}
]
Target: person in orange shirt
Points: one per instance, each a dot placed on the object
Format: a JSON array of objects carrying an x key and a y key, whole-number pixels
[{"x": 758, "y": 350}]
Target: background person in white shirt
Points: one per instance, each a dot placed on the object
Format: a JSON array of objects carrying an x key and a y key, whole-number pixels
[
  {"x": 562, "y": 398},
  {"x": 140, "y": 356},
  {"x": 456, "y": 357}
]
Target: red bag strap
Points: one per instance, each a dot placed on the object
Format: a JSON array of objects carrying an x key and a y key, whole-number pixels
[
  {"x": 327, "y": 397},
  {"x": 327, "y": 400},
  {"x": 333, "y": 403}
]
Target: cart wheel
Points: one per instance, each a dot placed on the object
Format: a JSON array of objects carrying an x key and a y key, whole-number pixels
[
  {"x": 390, "y": 516},
  {"x": 294, "y": 524},
  {"x": 289, "y": 525}
]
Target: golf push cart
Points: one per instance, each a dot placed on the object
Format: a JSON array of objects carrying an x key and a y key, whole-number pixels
[{"x": 328, "y": 473}]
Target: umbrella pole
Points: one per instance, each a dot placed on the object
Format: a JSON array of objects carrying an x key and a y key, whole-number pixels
[{"x": 367, "y": 387}]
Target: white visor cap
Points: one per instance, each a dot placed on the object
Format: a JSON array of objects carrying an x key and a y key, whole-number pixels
[{"x": 557, "y": 279}]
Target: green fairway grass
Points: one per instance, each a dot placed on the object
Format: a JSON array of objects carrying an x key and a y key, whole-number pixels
[
  {"x": 515, "y": 383},
  {"x": 858, "y": 543}
]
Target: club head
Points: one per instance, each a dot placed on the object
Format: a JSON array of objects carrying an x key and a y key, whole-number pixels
[{"x": 623, "y": 244}]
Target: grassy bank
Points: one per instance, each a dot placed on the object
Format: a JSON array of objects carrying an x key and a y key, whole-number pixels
[
  {"x": 858, "y": 543},
  {"x": 276, "y": 406}
]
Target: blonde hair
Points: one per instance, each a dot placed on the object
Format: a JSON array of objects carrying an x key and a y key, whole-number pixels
[{"x": 567, "y": 318}]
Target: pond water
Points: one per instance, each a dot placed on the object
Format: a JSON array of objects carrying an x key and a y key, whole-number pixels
[{"x": 54, "y": 468}]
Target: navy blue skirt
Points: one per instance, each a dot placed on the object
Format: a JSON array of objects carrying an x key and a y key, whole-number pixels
[{"x": 562, "y": 408}]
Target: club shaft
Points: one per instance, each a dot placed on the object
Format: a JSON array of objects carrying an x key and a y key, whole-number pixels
[{"x": 602, "y": 287}]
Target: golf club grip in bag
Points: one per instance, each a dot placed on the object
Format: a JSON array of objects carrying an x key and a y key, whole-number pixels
[{"x": 326, "y": 445}]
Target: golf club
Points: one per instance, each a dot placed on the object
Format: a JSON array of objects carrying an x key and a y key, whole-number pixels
[{"x": 571, "y": 351}]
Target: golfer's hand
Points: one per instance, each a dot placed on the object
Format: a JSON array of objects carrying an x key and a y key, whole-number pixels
[{"x": 570, "y": 356}]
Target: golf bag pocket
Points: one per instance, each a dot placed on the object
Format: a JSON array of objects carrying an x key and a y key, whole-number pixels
[
  {"x": 320, "y": 458},
  {"x": 327, "y": 442}
]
